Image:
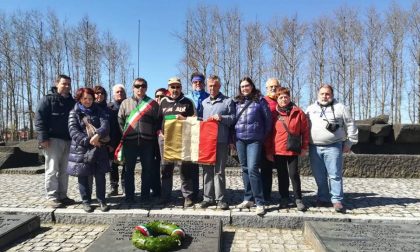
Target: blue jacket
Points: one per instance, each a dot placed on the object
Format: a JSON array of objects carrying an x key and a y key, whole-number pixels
[
  {"x": 77, "y": 165},
  {"x": 52, "y": 116},
  {"x": 225, "y": 107},
  {"x": 255, "y": 121}
]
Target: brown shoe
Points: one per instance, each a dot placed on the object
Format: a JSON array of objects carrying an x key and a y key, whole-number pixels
[{"x": 338, "y": 207}]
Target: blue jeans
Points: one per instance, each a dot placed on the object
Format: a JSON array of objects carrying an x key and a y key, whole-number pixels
[
  {"x": 146, "y": 152},
  {"x": 85, "y": 187},
  {"x": 327, "y": 168},
  {"x": 249, "y": 153}
]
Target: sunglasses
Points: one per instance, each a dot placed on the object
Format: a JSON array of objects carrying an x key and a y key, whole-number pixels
[
  {"x": 175, "y": 87},
  {"x": 140, "y": 86},
  {"x": 159, "y": 96}
]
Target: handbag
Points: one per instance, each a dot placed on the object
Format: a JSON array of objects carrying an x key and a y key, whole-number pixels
[{"x": 294, "y": 142}]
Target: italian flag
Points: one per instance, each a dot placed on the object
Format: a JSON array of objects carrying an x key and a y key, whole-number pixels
[{"x": 190, "y": 140}]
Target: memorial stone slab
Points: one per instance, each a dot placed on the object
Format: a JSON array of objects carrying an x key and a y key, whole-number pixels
[
  {"x": 352, "y": 237},
  {"x": 13, "y": 227},
  {"x": 201, "y": 235}
]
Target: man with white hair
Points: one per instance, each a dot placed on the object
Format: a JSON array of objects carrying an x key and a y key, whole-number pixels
[
  {"x": 271, "y": 86},
  {"x": 118, "y": 95}
]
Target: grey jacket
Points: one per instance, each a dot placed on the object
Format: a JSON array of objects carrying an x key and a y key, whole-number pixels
[{"x": 223, "y": 106}]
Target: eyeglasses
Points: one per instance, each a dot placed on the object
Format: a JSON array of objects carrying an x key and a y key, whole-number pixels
[
  {"x": 159, "y": 96},
  {"x": 272, "y": 87},
  {"x": 197, "y": 82},
  {"x": 175, "y": 87},
  {"x": 140, "y": 86}
]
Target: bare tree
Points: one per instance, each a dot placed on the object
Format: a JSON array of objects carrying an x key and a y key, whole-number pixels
[
  {"x": 414, "y": 48},
  {"x": 255, "y": 38},
  {"x": 395, "y": 23}
]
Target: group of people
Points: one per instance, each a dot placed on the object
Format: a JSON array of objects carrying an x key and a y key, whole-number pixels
[{"x": 86, "y": 137}]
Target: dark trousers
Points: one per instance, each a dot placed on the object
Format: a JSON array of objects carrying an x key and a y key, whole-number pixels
[
  {"x": 195, "y": 176},
  {"x": 266, "y": 176},
  {"x": 187, "y": 173},
  {"x": 114, "y": 176},
  {"x": 287, "y": 166},
  {"x": 85, "y": 188},
  {"x": 146, "y": 153},
  {"x": 155, "y": 173}
]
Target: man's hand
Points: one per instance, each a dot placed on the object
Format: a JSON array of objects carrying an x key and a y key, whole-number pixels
[
  {"x": 269, "y": 157},
  {"x": 44, "y": 145},
  {"x": 180, "y": 117},
  {"x": 215, "y": 117},
  {"x": 346, "y": 148}
]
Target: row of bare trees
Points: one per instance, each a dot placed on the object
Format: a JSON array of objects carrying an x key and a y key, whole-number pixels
[
  {"x": 34, "y": 48},
  {"x": 371, "y": 58}
]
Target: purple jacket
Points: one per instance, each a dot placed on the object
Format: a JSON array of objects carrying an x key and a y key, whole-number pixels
[{"x": 255, "y": 121}]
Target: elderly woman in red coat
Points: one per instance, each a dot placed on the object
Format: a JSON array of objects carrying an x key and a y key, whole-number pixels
[{"x": 291, "y": 120}]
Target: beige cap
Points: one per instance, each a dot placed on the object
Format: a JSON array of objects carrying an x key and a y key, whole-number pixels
[{"x": 174, "y": 80}]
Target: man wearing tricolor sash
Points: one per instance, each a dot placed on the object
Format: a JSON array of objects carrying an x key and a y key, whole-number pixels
[
  {"x": 139, "y": 120},
  {"x": 220, "y": 108},
  {"x": 178, "y": 106}
]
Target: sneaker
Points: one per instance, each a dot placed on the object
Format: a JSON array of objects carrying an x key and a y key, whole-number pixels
[
  {"x": 87, "y": 207},
  {"x": 55, "y": 203},
  {"x": 104, "y": 207},
  {"x": 205, "y": 204},
  {"x": 320, "y": 203},
  {"x": 67, "y": 201},
  {"x": 113, "y": 192},
  {"x": 245, "y": 204},
  {"x": 260, "y": 210},
  {"x": 223, "y": 205},
  {"x": 300, "y": 206},
  {"x": 188, "y": 202},
  {"x": 284, "y": 203},
  {"x": 338, "y": 207}
]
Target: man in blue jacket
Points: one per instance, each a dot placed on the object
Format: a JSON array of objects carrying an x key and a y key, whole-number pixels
[
  {"x": 220, "y": 108},
  {"x": 51, "y": 125}
]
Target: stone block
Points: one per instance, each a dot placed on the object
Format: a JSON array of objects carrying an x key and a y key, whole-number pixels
[
  {"x": 364, "y": 133},
  {"x": 407, "y": 133},
  {"x": 201, "y": 235},
  {"x": 13, "y": 227},
  {"x": 352, "y": 237},
  {"x": 381, "y": 130},
  {"x": 381, "y": 119}
]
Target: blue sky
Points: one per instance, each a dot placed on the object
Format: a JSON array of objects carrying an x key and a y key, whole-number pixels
[{"x": 160, "y": 50}]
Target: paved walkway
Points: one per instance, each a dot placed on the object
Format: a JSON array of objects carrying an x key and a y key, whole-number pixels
[{"x": 366, "y": 200}]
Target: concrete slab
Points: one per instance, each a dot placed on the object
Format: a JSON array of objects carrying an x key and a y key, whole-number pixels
[{"x": 13, "y": 227}]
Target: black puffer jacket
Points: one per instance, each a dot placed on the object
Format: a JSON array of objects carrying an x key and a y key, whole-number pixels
[
  {"x": 51, "y": 118},
  {"x": 77, "y": 165}
]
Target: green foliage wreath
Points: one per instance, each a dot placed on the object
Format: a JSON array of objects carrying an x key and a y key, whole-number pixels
[{"x": 146, "y": 236}]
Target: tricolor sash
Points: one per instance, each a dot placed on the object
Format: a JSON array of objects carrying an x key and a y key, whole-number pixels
[{"x": 136, "y": 114}]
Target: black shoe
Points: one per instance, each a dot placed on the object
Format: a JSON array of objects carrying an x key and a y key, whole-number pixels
[
  {"x": 188, "y": 202},
  {"x": 104, "y": 207},
  {"x": 223, "y": 205},
  {"x": 87, "y": 207},
  {"x": 67, "y": 201},
  {"x": 55, "y": 203},
  {"x": 339, "y": 208},
  {"x": 205, "y": 204},
  {"x": 113, "y": 192},
  {"x": 284, "y": 203},
  {"x": 320, "y": 203}
]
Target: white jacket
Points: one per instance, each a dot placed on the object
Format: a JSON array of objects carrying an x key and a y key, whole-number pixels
[{"x": 318, "y": 116}]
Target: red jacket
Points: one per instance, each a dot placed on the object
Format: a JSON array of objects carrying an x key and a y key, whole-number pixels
[{"x": 297, "y": 123}]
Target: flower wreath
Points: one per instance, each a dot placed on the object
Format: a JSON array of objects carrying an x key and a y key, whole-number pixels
[{"x": 146, "y": 236}]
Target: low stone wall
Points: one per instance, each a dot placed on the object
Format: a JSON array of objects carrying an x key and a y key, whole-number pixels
[{"x": 366, "y": 166}]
